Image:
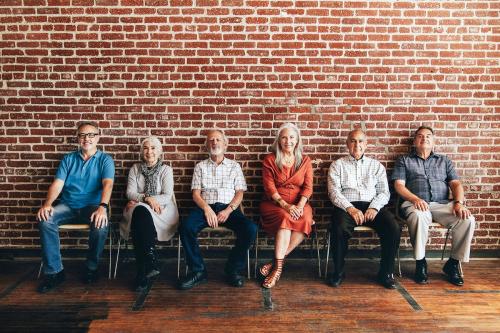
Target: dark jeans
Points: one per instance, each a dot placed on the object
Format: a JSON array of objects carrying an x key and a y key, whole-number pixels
[
  {"x": 243, "y": 227},
  {"x": 143, "y": 231},
  {"x": 384, "y": 224}
]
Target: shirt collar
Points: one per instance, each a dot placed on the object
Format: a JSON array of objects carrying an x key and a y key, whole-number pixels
[
  {"x": 352, "y": 159},
  {"x": 97, "y": 153},
  {"x": 225, "y": 161},
  {"x": 413, "y": 153}
]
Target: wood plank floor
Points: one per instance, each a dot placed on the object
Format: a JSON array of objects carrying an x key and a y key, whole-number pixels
[{"x": 301, "y": 302}]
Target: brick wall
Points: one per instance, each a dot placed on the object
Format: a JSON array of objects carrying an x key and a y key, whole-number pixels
[{"x": 173, "y": 68}]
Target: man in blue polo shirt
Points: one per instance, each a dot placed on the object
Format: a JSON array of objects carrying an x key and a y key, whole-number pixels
[
  {"x": 85, "y": 181},
  {"x": 424, "y": 180}
]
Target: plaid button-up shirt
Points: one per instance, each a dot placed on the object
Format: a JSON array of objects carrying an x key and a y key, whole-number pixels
[
  {"x": 428, "y": 179},
  {"x": 352, "y": 180},
  {"x": 218, "y": 183}
]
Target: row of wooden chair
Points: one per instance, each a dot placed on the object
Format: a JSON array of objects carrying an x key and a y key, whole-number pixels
[{"x": 314, "y": 241}]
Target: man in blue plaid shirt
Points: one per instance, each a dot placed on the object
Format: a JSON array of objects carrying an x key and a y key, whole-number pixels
[{"x": 424, "y": 179}]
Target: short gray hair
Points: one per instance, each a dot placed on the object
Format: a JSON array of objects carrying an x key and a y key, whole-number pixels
[
  {"x": 224, "y": 137},
  {"x": 155, "y": 142},
  {"x": 87, "y": 123}
]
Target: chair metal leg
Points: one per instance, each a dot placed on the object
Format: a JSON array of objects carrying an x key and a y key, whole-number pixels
[
  {"x": 256, "y": 254},
  {"x": 460, "y": 269},
  {"x": 110, "y": 265},
  {"x": 117, "y": 256},
  {"x": 327, "y": 253},
  {"x": 317, "y": 251},
  {"x": 399, "y": 265},
  {"x": 179, "y": 258},
  {"x": 248, "y": 263},
  {"x": 445, "y": 243},
  {"x": 40, "y": 269}
]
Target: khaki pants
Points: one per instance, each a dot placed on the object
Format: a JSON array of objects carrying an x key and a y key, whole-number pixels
[{"x": 418, "y": 226}]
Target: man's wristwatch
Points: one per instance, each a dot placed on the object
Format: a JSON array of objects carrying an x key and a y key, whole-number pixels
[
  {"x": 459, "y": 202},
  {"x": 105, "y": 205},
  {"x": 233, "y": 207}
]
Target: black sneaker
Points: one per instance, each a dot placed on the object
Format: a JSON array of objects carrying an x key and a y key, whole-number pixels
[
  {"x": 50, "y": 281},
  {"x": 90, "y": 276},
  {"x": 192, "y": 280}
]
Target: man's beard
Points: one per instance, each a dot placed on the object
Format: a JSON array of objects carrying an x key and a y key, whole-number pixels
[{"x": 217, "y": 151}]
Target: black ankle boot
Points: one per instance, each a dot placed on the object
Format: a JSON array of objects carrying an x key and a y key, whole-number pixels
[
  {"x": 151, "y": 263},
  {"x": 140, "y": 281}
]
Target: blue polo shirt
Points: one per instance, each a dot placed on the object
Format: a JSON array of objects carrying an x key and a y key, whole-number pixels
[{"x": 83, "y": 179}]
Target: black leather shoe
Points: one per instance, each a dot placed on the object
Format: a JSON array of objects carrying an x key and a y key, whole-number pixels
[
  {"x": 387, "y": 280},
  {"x": 336, "y": 279},
  {"x": 236, "y": 280},
  {"x": 451, "y": 269},
  {"x": 90, "y": 276},
  {"x": 192, "y": 280},
  {"x": 421, "y": 271},
  {"x": 50, "y": 281}
]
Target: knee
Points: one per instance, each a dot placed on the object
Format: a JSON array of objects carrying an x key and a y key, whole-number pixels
[
  {"x": 470, "y": 222},
  {"x": 139, "y": 212},
  {"x": 420, "y": 217},
  {"x": 48, "y": 225},
  {"x": 101, "y": 232}
]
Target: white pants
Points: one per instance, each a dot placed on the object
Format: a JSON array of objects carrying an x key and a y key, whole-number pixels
[{"x": 418, "y": 226}]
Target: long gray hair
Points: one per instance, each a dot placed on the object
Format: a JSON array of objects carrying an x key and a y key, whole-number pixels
[{"x": 276, "y": 148}]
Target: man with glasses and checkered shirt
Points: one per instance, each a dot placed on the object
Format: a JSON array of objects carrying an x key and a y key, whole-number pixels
[
  {"x": 84, "y": 180},
  {"x": 217, "y": 187}
]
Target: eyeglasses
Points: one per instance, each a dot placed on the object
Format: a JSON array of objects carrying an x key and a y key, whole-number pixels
[{"x": 87, "y": 135}]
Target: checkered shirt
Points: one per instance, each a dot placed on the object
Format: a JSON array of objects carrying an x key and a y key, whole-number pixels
[
  {"x": 352, "y": 180},
  {"x": 218, "y": 183},
  {"x": 428, "y": 179}
]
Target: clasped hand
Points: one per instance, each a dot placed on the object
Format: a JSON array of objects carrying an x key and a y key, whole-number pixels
[
  {"x": 295, "y": 211},
  {"x": 213, "y": 220},
  {"x": 361, "y": 218}
]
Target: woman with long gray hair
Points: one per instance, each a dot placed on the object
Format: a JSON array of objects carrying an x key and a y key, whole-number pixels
[
  {"x": 285, "y": 211},
  {"x": 151, "y": 211}
]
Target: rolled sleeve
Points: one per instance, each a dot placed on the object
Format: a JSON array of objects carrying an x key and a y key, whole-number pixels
[{"x": 399, "y": 172}]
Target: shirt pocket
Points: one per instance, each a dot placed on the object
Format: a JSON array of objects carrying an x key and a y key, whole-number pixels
[
  {"x": 207, "y": 179},
  {"x": 436, "y": 173}
]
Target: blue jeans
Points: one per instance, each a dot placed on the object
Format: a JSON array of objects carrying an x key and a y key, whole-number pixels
[
  {"x": 243, "y": 227},
  {"x": 49, "y": 237}
]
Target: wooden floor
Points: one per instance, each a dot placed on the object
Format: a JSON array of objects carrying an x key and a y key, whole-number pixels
[{"x": 301, "y": 302}]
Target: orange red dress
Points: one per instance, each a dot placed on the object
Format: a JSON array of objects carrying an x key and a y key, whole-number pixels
[{"x": 290, "y": 185}]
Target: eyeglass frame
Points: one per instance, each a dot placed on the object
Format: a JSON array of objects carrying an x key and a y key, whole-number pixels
[{"x": 86, "y": 135}]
